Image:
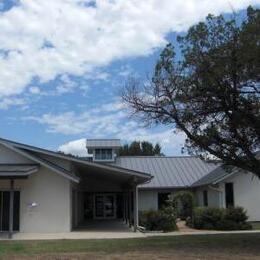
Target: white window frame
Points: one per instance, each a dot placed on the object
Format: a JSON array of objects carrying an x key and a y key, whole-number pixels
[{"x": 103, "y": 160}]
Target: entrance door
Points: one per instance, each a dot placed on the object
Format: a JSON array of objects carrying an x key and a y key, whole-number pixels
[
  {"x": 105, "y": 207},
  {"x": 4, "y": 210}
]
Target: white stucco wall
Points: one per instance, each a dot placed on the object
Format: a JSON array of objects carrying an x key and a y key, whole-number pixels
[
  {"x": 147, "y": 200},
  {"x": 214, "y": 197},
  {"x": 49, "y": 190},
  {"x": 246, "y": 193}
]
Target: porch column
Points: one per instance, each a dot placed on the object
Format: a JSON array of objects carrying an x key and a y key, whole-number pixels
[
  {"x": 130, "y": 208},
  {"x": 11, "y": 209},
  {"x": 135, "y": 208},
  {"x": 123, "y": 207},
  {"x": 126, "y": 208}
]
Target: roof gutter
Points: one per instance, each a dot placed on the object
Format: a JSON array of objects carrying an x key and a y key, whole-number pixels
[{"x": 225, "y": 177}]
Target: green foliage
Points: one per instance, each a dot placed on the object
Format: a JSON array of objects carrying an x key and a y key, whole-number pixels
[
  {"x": 143, "y": 148},
  {"x": 161, "y": 220},
  {"x": 212, "y": 93},
  {"x": 220, "y": 219},
  {"x": 183, "y": 201}
]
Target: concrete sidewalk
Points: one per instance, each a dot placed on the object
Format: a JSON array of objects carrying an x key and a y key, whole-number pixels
[{"x": 114, "y": 235}]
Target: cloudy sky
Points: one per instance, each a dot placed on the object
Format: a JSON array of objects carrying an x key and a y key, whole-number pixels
[{"x": 63, "y": 63}]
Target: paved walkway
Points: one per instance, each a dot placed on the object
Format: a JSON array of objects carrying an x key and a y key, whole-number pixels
[
  {"x": 113, "y": 235},
  {"x": 114, "y": 230},
  {"x": 181, "y": 224}
]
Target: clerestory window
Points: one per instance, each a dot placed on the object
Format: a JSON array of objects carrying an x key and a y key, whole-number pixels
[{"x": 103, "y": 154}]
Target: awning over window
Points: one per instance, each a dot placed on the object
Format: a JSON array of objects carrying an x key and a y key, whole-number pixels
[{"x": 17, "y": 171}]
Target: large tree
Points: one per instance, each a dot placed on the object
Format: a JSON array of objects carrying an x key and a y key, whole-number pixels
[
  {"x": 143, "y": 148},
  {"x": 212, "y": 93}
]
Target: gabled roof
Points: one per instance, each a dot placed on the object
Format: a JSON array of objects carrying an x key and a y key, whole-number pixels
[
  {"x": 168, "y": 172},
  {"x": 221, "y": 173},
  {"x": 34, "y": 153},
  {"x": 103, "y": 143},
  {"x": 213, "y": 177},
  {"x": 37, "y": 159}
]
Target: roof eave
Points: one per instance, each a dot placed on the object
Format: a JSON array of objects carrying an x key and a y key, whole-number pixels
[
  {"x": 35, "y": 159},
  {"x": 66, "y": 157}
]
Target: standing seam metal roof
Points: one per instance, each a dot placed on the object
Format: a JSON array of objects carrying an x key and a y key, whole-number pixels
[
  {"x": 102, "y": 143},
  {"x": 168, "y": 171},
  {"x": 213, "y": 177}
]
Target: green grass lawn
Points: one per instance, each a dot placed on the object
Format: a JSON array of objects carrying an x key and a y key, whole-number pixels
[
  {"x": 230, "y": 244},
  {"x": 255, "y": 225}
]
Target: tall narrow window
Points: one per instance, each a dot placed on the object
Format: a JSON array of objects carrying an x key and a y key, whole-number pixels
[
  {"x": 205, "y": 198},
  {"x": 229, "y": 192},
  {"x": 162, "y": 199}
]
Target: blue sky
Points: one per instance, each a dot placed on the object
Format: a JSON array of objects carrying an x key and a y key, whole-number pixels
[{"x": 63, "y": 64}]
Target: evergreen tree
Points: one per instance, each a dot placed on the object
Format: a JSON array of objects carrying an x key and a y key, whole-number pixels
[{"x": 138, "y": 148}]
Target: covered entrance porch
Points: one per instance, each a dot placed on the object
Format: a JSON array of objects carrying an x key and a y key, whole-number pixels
[
  {"x": 106, "y": 198},
  {"x": 104, "y": 226}
]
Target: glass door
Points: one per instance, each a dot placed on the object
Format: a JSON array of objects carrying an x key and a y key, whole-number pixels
[
  {"x": 99, "y": 206},
  {"x": 109, "y": 207},
  {"x": 105, "y": 207},
  {"x": 4, "y": 210}
]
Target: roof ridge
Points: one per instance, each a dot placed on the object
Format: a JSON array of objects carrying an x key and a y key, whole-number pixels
[
  {"x": 103, "y": 139},
  {"x": 157, "y": 156}
]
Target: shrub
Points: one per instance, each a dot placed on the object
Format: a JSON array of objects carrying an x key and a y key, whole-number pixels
[
  {"x": 161, "y": 220},
  {"x": 184, "y": 203},
  {"x": 235, "y": 219},
  {"x": 220, "y": 219}
]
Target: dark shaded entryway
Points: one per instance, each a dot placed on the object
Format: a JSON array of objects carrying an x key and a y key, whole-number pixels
[
  {"x": 108, "y": 225},
  {"x": 5, "y": 210}
]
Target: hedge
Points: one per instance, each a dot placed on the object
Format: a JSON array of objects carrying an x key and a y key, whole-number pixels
[
  {"x": 158, "y": 220},
  {"x": 219, "y": 219}
]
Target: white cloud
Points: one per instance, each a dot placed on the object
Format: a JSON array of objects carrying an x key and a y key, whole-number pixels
[
  {"x": 34, "y": 90},
  {"x": 66, "y": 85},
  {"x": 45, "y": 39},
  {"x": 7, "y": 102},
  {"x": 106, "y": 121},
  {"x": 77, "y": 147},
  {"x": 171, "y": 143}
]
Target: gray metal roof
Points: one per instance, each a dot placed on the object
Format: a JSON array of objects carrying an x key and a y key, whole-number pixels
[
  {"x": 17, "y": 170},
  {"x": 103, "y": 143},
  {"x": 168, "y": 172},
  {"x": 34, "y": 153},
  {"x": 213, "y": 177}
]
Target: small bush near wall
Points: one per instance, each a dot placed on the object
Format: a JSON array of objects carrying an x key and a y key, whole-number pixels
[
  {"x": 160, "y": 220},
  {"x": 183, "y": 201},
  {"x": 219, "y": 219}
]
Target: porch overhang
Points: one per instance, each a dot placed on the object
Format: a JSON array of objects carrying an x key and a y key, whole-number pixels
[
  {"x": 17, "y": 171},
  {"x": 117, "y": 174}
]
